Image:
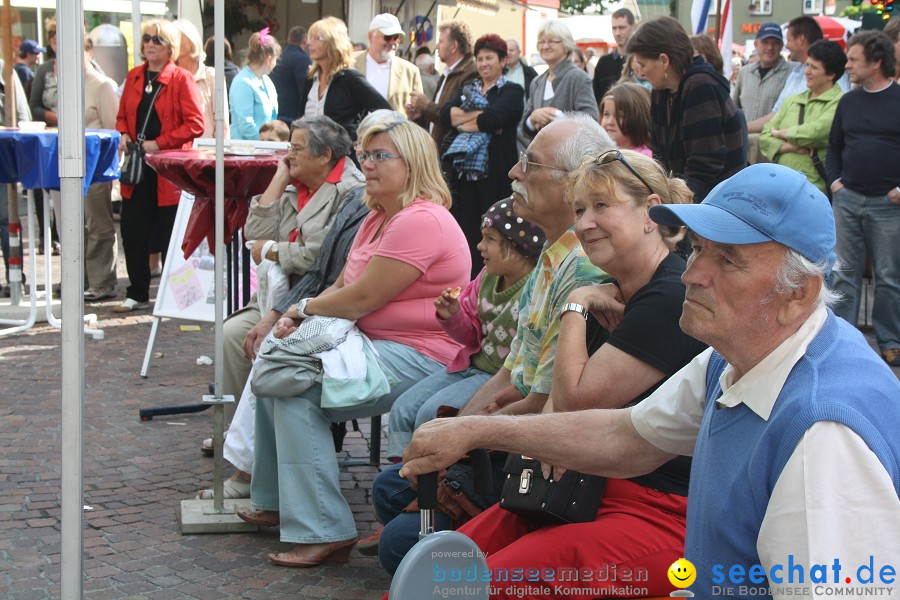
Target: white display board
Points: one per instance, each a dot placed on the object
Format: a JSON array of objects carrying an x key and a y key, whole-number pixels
[{"x": 187, "y": 287}]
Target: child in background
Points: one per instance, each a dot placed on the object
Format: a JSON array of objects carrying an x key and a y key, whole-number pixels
[
  {"x": 274, "y": 131},
  {"x": 625, "y": 115},
  {"x": 483, "y": 319}
]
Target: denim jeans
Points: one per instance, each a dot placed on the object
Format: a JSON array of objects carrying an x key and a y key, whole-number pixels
[
  {"x": 295, "y": 468},
  {"x": 871, "y": 222},
  {"x": 419, "y": 403},
  {"x": 390, "y": 495}
]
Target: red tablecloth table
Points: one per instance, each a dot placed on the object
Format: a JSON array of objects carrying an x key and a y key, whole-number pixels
[{"x": 194, "y": 171}]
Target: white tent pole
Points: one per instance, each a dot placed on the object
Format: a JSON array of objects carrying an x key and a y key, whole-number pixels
[
  {"x": 219, "y": 115},
  {"x": 135, "y": 30},
  {"x": 71, "y": 174}
]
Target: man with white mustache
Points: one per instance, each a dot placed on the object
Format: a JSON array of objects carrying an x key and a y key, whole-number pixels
[
  {"x": 539, "y": 196},
  {"x": 393, "y": 77}
]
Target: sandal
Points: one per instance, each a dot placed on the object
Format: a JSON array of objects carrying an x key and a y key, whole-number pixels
[
  {"x": 335, "y": 552},
  {"x": 206, "y": 447},
  {"x": 264, "y": 518},
  {"x": 231, "y": 490}
]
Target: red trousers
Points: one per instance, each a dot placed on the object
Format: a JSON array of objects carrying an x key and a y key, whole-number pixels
[{"x": 637, "y": 535}]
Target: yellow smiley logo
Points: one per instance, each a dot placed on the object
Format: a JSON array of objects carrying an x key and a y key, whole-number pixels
[{"x": 682, "y": 573}]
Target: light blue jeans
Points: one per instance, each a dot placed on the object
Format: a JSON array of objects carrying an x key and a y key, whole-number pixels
[
  {"x": 419, "y": 403},
  {"x": 871, "y": 222},
  {"x": 295, "y": 468}
]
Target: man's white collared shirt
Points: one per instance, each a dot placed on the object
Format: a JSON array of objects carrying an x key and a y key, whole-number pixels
[{"x": 833, "y": 500}]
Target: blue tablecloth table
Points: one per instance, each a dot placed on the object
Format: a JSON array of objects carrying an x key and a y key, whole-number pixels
[{"x": 32, "y": 159}]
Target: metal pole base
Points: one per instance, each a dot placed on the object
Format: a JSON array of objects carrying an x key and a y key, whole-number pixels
[{"x": 199, "y": 516}]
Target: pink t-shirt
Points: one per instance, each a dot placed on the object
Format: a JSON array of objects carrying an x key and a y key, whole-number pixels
[{"x": 426, "y": 236}]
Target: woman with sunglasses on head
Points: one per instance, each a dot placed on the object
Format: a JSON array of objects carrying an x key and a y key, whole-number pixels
[
  {"x": 484, "y": 112},
  {"x": 252, "y": 96},
  {"x": 618, "y": 342},
  {"x": 408, "y": 250},
  {"x": 334, "y": 88},
  {"x": 163, "y": 100},
  {"x": 696, "y": 130},
  {"x": 563, "y": 87}
]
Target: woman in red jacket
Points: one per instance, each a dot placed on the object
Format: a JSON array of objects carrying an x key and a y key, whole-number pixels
[{"x": 174, "y": 118}]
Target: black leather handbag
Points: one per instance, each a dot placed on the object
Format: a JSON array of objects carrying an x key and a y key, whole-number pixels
[
  {"x": 575, "y": 498},
  {"x": 132, "y": 167}
]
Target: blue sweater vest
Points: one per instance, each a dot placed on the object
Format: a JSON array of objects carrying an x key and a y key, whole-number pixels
[{"x": 739, "y": 456}]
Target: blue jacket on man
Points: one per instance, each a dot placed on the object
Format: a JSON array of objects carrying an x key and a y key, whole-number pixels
[{"x": 289, "y": 77}]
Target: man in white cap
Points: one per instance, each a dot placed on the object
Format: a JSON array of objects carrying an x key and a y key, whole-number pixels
[{"x": 393, "y": 77}]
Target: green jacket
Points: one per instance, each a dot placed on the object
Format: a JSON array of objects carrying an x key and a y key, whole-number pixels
[{"x": 812, "y": 134}]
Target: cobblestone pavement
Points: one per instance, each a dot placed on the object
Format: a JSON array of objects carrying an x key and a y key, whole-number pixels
[{"x": 135, "y": 476}]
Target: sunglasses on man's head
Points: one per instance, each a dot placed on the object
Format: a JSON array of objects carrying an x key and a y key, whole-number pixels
[
  {"x": 614, "y": 155},
  {"x": 153, "y": 38}
]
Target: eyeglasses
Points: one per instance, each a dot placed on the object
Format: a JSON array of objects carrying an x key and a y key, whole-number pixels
[
  {"x": 153, "y": 38},
  {"x": 549, "y": 42},
  {"x": 296, "y": 149},
  {"x": 392, "y": 38},
  {"x": 614, "y": 155},
  {"x": 377, "y": 157},
  {"x": 51, "y": 34},
  {"x": 524, "y": 162}
]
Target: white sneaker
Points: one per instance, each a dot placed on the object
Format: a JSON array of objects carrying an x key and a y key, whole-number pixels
[{"x": 131, "y": 305}]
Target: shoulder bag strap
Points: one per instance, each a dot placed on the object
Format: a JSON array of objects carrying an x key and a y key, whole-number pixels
[{"x": 140, "y": 136}]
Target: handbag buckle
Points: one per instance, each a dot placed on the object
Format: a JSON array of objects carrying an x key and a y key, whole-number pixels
[{"x": 525, "y": 481}]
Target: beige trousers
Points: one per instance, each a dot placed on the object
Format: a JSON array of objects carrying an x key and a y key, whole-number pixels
[{"x": 100, "y": 246}]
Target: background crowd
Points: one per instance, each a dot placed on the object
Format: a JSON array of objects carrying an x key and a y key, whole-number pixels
[{"x": 456, "y": 233}]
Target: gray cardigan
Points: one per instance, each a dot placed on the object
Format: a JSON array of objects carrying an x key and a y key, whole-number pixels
[
  {"x": 572, "y": 91},
  {"x": 36, "y": 100}
]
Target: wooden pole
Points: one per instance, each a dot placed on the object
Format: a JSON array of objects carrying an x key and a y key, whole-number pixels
[
  {"x": 718, "y": 21},
  {"x": 8, "y": 62},
  {"x": 10, "y": 120}
]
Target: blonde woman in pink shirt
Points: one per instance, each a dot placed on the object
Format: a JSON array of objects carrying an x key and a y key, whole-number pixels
[{"x": 407, "y": 251}]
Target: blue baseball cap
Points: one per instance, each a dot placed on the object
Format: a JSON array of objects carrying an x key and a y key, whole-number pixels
[
  {"x": 770, "y": 30},
  {"x": 763, "y": 203},
  {"x": 31, "y": 47}
]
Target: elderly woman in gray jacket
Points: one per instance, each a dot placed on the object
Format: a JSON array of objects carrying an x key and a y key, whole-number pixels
[
  {"x": 288, "y": 223},
  {"x": 563, "y": 87}
]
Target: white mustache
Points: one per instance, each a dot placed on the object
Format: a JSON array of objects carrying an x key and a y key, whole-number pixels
[{"x": 519, "y": 188}]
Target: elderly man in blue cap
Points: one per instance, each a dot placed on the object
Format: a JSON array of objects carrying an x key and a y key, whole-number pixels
[{"x": 790, "y": 417}]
